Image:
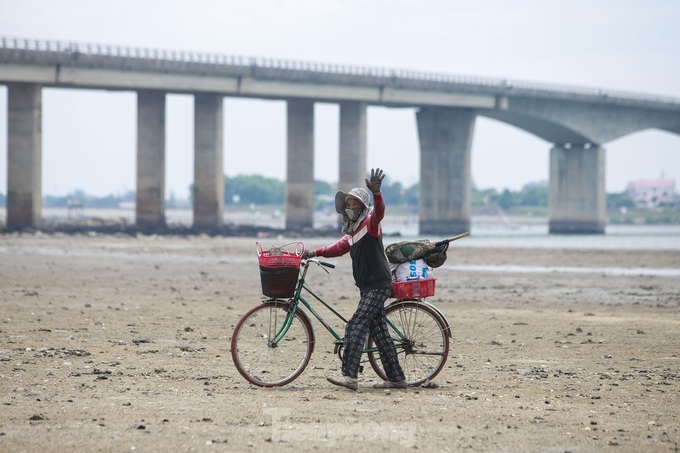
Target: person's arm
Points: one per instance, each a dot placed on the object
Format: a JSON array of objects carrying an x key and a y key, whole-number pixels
[
  {"x": 374, "y": 184},
  {"x": 338, "y": 248},
  {"x": 377, "y": 215}
]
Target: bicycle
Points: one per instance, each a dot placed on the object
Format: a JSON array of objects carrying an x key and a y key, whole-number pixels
[{"x": 273, "y": 342}]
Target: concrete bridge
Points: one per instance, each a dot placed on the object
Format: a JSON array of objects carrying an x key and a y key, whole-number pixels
[{"x": 577, "y": 121}]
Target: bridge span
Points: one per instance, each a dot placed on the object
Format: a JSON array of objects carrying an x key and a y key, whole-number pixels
[{"x": 577, "y": 121}]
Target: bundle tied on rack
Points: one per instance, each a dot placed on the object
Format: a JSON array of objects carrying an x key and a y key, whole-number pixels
[{"x": 433, "y": 254}]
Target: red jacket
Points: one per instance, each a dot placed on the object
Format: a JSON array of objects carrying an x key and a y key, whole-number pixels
[{"x": 369, "y": 263}]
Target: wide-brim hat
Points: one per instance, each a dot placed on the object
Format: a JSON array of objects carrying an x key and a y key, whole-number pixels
[{"x": 357, "y": 193}]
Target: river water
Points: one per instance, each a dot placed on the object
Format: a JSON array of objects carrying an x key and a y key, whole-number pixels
[
  {"x": 619, "y": 237},
  {"x": 483, "y": 233},
  {"x": 526, "y": 235},
  {"x": 616, "y": 237}
]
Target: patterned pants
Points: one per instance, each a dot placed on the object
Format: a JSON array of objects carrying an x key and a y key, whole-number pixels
[{"x": 370, "y": 318}]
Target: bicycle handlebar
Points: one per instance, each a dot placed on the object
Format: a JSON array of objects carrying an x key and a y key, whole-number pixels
[{"x": 321, "y": 263}]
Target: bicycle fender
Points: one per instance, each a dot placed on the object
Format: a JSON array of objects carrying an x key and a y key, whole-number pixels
[{"x": 430, "y": 305}]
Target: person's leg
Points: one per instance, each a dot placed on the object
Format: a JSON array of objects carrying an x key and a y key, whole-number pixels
[
  {"x": 385, "y": 345},
  {"x": 371, "y": 305}
]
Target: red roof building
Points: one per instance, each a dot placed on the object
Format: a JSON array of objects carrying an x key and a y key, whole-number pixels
[{"x": 653, "y": 192}]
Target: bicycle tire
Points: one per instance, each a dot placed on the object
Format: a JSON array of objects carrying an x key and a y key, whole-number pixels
[
  {"x": 262, "y": 363},
  {"x": 424, "y": 351}
]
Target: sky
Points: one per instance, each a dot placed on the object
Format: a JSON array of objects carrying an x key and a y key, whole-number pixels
[{"x": 89, "y": 136}]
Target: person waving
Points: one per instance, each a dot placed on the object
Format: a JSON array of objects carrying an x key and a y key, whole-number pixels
[{"x": 362, "y": 238}]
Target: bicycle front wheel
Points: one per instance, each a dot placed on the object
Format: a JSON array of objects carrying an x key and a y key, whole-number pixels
[
  {"x": 260, "y": 358},
  {"x": 421, "y": 338}
]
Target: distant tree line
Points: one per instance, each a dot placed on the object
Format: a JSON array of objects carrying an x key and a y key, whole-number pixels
[
  {"x": 506, "y": 199},
  {"x": 82, "y": 198},
  {"x": 261, "y": 190}
]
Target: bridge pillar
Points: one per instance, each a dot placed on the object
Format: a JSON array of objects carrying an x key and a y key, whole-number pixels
[
  {"x": 577, "y": 198},
  {"x": 352, "y": 156},
  {"x": 208, "y": 161},
  {"x": 150, "y": 201},
  {"x": 24, "y": 155},
  {"x": 300, "y": 165},
  {"x": 445, "y": 182}
]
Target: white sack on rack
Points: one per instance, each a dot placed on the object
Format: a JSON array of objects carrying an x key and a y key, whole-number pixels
[{"x": 410, "y": 270}]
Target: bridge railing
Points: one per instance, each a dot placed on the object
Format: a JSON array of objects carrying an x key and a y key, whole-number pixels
[{"x": 44, "y": 51}]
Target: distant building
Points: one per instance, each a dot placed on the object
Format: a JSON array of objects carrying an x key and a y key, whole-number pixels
[{"x": 653, "y": 192}]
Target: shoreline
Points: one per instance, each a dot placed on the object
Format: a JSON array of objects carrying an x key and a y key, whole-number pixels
[{"x": 520, "y": 231}]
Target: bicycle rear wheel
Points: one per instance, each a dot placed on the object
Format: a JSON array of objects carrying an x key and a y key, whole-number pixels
[
  {"x": 263, "y": 362},
  {"x": 421, "y": 338}
]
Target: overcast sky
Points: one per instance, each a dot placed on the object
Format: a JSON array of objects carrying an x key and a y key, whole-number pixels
[{"x": 89, "y": 137}]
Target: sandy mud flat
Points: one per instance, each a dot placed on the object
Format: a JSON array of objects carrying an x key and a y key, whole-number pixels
[{"x": 113, "y": 343}]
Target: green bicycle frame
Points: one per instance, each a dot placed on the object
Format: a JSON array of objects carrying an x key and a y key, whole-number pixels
[{"x": 298, "y": 298}]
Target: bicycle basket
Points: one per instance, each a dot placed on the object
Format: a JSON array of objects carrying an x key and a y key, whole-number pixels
[
  {"x": 414, "y": 289},
  {"x": 279, "y": 269}
]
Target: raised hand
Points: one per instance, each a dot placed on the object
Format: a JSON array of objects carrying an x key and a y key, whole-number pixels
[{"x": 376, "y": 180}]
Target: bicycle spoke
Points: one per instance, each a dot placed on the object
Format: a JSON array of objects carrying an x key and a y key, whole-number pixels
[
  {"x": 421, "y": 339},
  {"x": 261, "y": 360}
]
